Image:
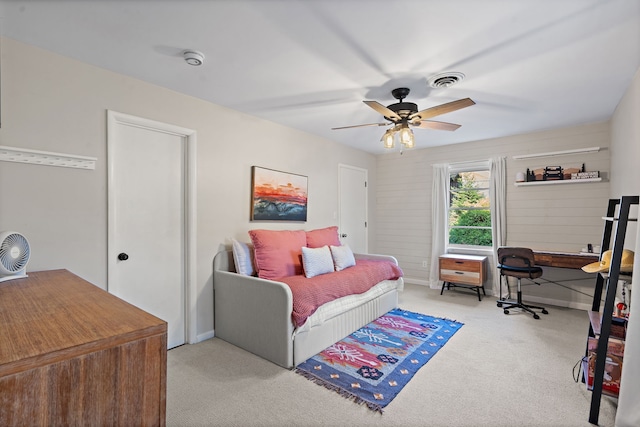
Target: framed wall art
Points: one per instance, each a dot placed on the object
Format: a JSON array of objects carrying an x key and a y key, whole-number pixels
[{"x": 278, "y": 196}]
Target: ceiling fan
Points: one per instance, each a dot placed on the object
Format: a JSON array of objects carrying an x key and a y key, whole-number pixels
[{"x": 405, "y": 114}]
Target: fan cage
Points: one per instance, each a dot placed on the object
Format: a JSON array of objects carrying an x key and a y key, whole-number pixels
[{"x": 14, "y": 253}]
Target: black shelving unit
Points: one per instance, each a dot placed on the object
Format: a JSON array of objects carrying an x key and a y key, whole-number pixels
[{"x": 619, "y": 224}]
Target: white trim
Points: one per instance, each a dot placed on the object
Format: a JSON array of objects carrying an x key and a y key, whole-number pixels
[
  {"x": 557, "y": 153},
  {"x": 470, "y": 250},
  {"x": 415, "y": 281},
  {"x": 204, "y": 336},
  {"x": 558, "y": 303},
  {"x": 461, "y": 167},
  {"x": 192, "y": 233},
  {"x": 46, "y": 158},
  {"x": 473, "y": 165},
  {"x": 113, "y": 119}
]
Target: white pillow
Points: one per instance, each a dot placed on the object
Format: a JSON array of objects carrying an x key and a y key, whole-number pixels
[
  {"x": 243, "y": 257},
  {"x": 342, "y": 257},
  {"x": 316, "y": 261}
]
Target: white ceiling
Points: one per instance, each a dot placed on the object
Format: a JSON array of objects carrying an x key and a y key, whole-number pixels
[{"x": 529, "y": 64}]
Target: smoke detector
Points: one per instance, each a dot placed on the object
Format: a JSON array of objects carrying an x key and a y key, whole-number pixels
[
  {"x": 193, "y": 57},
  {"x": 445, "y": 80}
]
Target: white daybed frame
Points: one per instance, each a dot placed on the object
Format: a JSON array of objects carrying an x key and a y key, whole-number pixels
[{"x": 255, "y": 314}]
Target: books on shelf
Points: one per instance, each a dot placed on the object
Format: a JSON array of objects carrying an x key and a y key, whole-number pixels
[
  {"x": 585, "y": 175},
  {"x": 612, "y": 369},
  {"x": 618, "y": 325}
]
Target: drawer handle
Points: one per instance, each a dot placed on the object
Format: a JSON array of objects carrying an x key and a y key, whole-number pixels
[
  {"x": 459, "y": 262},
  {"x": 459, "y": 272}
]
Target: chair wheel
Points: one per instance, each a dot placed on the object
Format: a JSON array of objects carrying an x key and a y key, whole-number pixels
[
  {"x": 535, "y": 316},
  {"x": 506, "y": 312},
  {"x": 499, "y": 304},
  {"x": 544, "y": 311}
]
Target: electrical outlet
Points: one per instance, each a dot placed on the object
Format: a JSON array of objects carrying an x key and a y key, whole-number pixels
[{"x": 424, "y": 264}]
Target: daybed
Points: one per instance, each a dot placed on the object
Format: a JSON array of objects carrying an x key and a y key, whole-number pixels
[{"x": 257, "y": 314}]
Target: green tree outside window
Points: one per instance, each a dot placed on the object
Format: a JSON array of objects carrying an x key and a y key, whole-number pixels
[{"x": 470, "y": 209}]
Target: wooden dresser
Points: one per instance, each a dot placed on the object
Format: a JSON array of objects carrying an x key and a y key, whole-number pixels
[
  {"x": 468, "y": 271},
  {"x": 73, "y": 354}
]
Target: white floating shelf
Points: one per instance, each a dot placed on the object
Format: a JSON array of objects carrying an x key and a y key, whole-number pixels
[
  {"x": 560, "y": 181},
  {"x": 557, "y": 153},
  {"x": 46, "y": 158}
]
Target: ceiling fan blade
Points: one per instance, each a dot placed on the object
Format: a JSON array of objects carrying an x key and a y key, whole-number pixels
[
  {"x": 383, "y": 110},
  {"x": 360, "y": 126},
  {"x": 442, "y": 109},
  {"x": 431, "y": 124}
]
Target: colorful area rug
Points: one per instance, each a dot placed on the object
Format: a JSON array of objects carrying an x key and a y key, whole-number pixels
[{"x": 372, "y": 365}]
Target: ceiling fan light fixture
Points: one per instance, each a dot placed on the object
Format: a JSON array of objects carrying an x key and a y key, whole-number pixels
[
  {"x": 402, "y": 114},
  {"x": 406, "y": 136},
  {"x": 388, "y": 139}
]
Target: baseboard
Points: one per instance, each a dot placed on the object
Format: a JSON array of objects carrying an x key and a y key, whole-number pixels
[
  {"x": 558, "y": 303},
  {"x": 422, "y": 282},
  {"x": 413, "y": 281},
  {"x": 533, "y": 299},
  {"x": 205, "y": 336}
]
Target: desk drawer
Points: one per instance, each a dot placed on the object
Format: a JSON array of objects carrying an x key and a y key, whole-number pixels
[{"x": 464, "y": 277}]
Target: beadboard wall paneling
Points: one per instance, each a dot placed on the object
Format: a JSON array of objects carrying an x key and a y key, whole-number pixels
[{"x": 562, "y": 217}]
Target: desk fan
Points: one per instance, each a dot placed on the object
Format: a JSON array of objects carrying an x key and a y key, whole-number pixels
[{"x": 14, "y": 255}]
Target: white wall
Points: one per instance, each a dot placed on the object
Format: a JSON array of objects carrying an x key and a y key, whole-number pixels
[
  {"x": 625, "y": 150},
  {"x": 57, "y": 104},
  {"x": 561, "y": 217},
  {"x": 625, "y": 155}
]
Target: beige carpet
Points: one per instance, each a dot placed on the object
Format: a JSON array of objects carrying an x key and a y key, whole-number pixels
[{"x": 498, "y": 370}]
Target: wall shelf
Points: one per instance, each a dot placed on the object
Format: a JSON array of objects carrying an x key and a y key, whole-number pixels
[
  {"x": 46, "y": 158},
  {"x": 557, "y": 153},
  {"x": 560, "y": 181}
]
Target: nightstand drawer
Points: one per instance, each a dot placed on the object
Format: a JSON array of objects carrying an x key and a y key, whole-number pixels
[
  {"x": 457, "y": 276},
  {"x": 460, "y": 265}
]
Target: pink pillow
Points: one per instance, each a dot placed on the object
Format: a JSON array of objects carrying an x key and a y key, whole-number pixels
[
  {"x": 323, "y": 237},
  {"x": 278, "y": 253}
]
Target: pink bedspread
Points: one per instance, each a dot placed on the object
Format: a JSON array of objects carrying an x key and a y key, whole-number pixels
[{"x": 309, "y": 294}]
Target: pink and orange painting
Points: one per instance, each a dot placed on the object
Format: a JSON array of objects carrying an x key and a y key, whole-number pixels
[{"x": 277, "y": 196}]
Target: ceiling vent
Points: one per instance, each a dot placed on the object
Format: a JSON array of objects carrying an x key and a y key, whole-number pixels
[
  {"x": 444, "y": 80},
  {"x": 193, "y": 57}
]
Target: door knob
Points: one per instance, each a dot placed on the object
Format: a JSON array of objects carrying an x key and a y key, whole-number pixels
[
  {"x": 123, "y": 257},
  {"x": 343, "y": 235}
]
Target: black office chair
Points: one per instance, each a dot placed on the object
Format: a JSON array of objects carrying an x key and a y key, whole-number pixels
[{"x": 519, "y": 263}]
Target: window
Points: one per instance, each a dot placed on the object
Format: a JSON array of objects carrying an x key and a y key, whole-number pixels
[{"x": 469, "y": 207}]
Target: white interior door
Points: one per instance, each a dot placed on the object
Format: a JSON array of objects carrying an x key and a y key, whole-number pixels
[
  {"x": 353, "y": 207},
  {"x": 147, "y": 221}
]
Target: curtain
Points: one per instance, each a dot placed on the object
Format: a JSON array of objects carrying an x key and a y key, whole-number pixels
[
  {"x": 498, "y": 195},
  {"x": 439, "y": 216}
]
